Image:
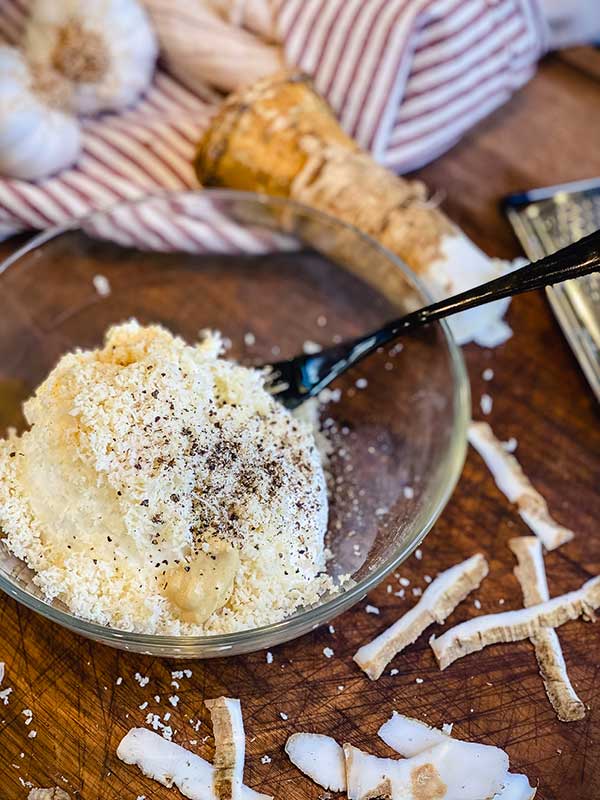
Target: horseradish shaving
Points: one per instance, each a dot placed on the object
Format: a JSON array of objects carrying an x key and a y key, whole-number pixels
[
  {"x": 437, "y": 603},
  {"x": 531, "y": 574},
  {"x": 516, "y": 486},
  {"x": 513, "y": 626}
]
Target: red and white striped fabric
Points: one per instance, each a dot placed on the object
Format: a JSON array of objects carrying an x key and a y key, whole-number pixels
[{"x": 406, "y": 77}]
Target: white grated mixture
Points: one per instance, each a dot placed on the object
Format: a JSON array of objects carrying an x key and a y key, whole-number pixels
[{"x": 161, "y": 489}]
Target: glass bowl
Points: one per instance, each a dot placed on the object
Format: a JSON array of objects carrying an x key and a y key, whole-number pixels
[{"x": 271, "y": 275}]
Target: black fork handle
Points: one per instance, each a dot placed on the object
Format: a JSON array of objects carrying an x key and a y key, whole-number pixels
[
  {"x": 306, "y": 375},
  {"x": 572, "y": 261}
]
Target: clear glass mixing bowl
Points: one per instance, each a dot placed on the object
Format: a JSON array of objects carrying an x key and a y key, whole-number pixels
[{"x": 248, "y": 264}]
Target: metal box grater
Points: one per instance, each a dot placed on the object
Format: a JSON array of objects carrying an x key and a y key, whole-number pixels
[{"x": 546, "y": 220}]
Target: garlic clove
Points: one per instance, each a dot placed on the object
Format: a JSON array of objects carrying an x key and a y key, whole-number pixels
[{"x": 36, "y": 139}]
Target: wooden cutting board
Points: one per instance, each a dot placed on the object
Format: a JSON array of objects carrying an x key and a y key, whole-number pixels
[{"x": 80, "y": 707}]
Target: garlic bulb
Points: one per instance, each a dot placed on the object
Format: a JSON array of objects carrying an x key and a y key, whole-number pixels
[
  {"x": 37, "y": 138},
  {"x": 106, "y": 49}
]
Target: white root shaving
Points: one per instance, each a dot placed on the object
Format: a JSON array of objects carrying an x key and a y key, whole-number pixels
[
  {"x": 516, "y": 486},
  {"x": 410, "y": 737},
  {"x": 230, "y": 747},
  {"x": 320, "y": 757},
  {"x": 437, "y": 602},
  {"x": 52, "y": 793},
  {"x": 172, "y": 765},
  {"x": 512, "y": 626},
  {"x": 449, "y": 771},
  {"x": 531, "y": 574}
]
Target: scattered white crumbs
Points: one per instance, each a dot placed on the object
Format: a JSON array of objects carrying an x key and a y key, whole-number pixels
[
  {"x": 471, "y": 710},
  {"x": 408, "y": 492},
  {"x": 158, "y": 725},
  {"x": 321, "y": 321},
  {"x": 418, "y": 680},
  {"x": 32, "y": 734},
  {"x": 486, "y": 403},
  {"x": 404, "y": 582},
  {"x": 447, "y": 728},
  {"x": 143, "y": 706},
  {"x": 399, "y": 593},
  {"x": 119, "y": 681},
  {"x": 388, "y": 366},
  {"x": 141, "y": 797},
  {"x": 310, "y": 348},
  {"x": 283, "y": 716},
  {"x": 330, "y": 396},
  {"x": 511, "y": 445},
  {"x": 265, "y": 759},
  {"x": 487, "y": 374},
  {"x": 427, "y": 578},
  {"x": 101, "y": 285},
  {"x": 361, "y": 383},
  {"x": 4, "y": 695},
  {"x": 167, "y": 716},
  {"x": 143, "y": 680},
  {"x": 157, "y": 698},
  {"x": 269, "y": 657},
  {"x": 331, "y": 630},
  {"x": 389, "y": 588},
  {"x": 178, "y": 674},
  {"x": 371, "y": 609},
  {"x": 249, "y": 339},
  {"x": 336, "y": 338},
  {"x": 417, "y": 591},
  {"x": 174, "y": 699},
  {"x": 328, "y": 652},
  {"x": 276, "y": 350},
  {"x": 418, "y": 554},
  {"x": 341, "y": 687},
  {"x": 477, "y": 604},
  {"x": 394, "y": 671},
  {"x": 28, "y": 714},
  {"x": 196, "y": 724},
  {"x": 501, "y": 601}
]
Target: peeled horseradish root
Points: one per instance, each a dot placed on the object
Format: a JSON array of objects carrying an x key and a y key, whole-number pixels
[{"x": 280, "y": 137}]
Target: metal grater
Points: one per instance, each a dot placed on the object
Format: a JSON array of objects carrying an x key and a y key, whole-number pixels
[{"x": 546, "y": 220}]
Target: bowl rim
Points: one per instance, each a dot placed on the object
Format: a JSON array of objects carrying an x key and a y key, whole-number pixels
[{"x": 301, "y": 621}]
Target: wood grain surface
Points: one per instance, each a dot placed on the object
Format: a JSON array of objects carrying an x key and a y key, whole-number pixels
[{"x": 549, "y": 133}]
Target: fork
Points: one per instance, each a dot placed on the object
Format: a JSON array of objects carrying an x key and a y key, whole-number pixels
[{"x": 293, "y": 381}]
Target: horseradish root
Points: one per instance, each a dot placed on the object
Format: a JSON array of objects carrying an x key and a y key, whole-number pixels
[
  {"x": 437, "y": 603},
  {"x": 516, "y": 486},
  {"x": 280, "y": 137},
  {"x": 513, "y": 626},
  {"x": 531, "y": 575}
]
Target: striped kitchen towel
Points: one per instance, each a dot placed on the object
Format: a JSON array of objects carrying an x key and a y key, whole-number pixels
[{"x": 406, "y": 77}]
